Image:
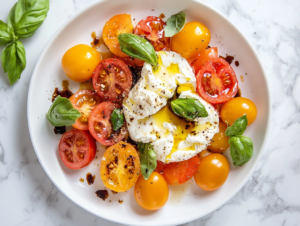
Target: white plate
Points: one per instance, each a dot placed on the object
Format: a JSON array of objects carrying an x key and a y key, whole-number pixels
[{"x": 186, "y": 202}]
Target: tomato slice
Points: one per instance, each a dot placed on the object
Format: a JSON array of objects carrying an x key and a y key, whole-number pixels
[
  {"x": 100, "y": 125},
  {"x": 216, "y": 81},
  {"x": 84, "y": 101},
  {"x": 178, "y": 172},
  {"x": 120, "y": 167},
  {"x": 77, "y": 149},
  {"x": 206, "y": 55},
  {"x": 112, "y": 79},
  {"x": 152, "y": 28}
]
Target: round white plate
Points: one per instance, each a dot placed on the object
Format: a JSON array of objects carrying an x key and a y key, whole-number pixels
[{"x": 187, "y": 202}]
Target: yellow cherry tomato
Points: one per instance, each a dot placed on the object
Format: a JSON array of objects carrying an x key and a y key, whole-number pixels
[
  {"x": 80, "y": 61},
  {"x": 212, "y": 172},
  {"x": 219, "y": 142},
  {"x": 151, "y": 194},
  {"x": 120, "y": 167},
  {"x": 191, "y": 40},
  {"x": 236, "y": 108}
]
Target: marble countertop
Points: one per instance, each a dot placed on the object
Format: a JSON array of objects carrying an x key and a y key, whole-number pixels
[{"x": 270, "y": 197}]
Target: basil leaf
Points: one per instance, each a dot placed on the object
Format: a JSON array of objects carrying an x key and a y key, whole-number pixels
[
  {"x": 148, "y": 159},
  {"x": 238, "y": 128},
  {"x": 241, "y": 149},
  {"x": 26, "y": 16},
  {"x": 62, "y": 113},
  {"x": 14, "y": 60},
  {"x": 188, "y": 108},
  {"x": 137, "y": 47},
  {"x": 117, "y": 119},
  {"x": 6, "y": 33},
  {"x": 174, "y": 24}
]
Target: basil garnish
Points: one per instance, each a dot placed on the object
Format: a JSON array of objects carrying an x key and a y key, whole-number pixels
[
  {"x": 26, "y": 16},
  {"x": 174, "y": 24},
  {"x": 117, "y": 119},
  {"x": 13, "y": 60},
  {"x": 188, "y": 108},
  {"x": 148, "y": 159},
  {"x": 238, "y": 127},
  {"x": 62, "y": 113},
  {"x": 6, "y": 33},
  {"x": 137, "y": 47},
  {"x": 241, "y": 149}
]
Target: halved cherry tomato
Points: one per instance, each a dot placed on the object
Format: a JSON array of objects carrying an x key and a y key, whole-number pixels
[
  {"x": 216, "y": 81},
  {"x": 203, "y": 57},
  {"x": 85, "y": 101},
  {"x": 120, "y": 167},
  {"x": 77, "y": 149},
  {"x": 112, "y": 79},
  {"x": 178, "y": 172},
  {"x": 116, "y": 25},
  {"x": 212, "y": 172},
  {"x": 151, "y": 194},
  {"x": 100, "y": 125},
  {"x": 152, "y": 29}
]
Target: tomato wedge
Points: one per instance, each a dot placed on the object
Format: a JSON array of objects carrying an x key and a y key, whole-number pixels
[
  {"x": 77, "y": 149},
  {"x": 216, "y": 81},
  {"x": 100, "y": 125},
  {"x": 178, "y": 172},
  {"x": 84, "y": 101},
  {"x": 112, "y": 79},
  {"x": 152, "y": 29},
  {"x": 206, "y": 55}
]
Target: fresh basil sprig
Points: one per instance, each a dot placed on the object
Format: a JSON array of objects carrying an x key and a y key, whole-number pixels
[
  {"x": 241, "y": 147},
  {"x": 24, "y": 18},
  {"x": 62, "y": 113},
  {"x": 148, "y": 159},
  {"x": 188, "y": 108},
  {"x": 175, "y": 24},
  {"x": 117, "y": 119},
  {"x": 137, "y": 47}
]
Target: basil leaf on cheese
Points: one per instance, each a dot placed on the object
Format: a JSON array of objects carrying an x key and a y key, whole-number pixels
[{"x": 188, "y": 108}]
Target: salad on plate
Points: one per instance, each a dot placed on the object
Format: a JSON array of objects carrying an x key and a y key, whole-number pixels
[{"x": 163, "y": 103}]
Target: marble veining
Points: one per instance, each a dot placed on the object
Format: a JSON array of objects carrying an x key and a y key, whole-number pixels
[{"x": 270, "y": 197}]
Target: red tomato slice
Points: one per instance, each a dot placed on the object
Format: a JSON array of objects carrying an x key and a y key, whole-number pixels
[
  {"x": 77, "y": 149},
  {"x": 178, "y": 172},
  {"x": 216, "y": 81},
  {"x": 112, "y": 79},
  {"x": 84, "y": 101},
  {"x": 206, "y": 55},
  {"x": 100, "y": 125},
  {"x": 152, "y": 28}
]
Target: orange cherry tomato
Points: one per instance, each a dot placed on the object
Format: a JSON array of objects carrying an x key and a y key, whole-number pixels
[
  {"x": 204, "y": 153},
  {"x": 212, "y": 172},
  {"x": 191, "y": 40},
  {"x": 219, "y": 142},
  {"x": 85, "y": 101},
  {"x": 236, "y": 108},
  {"x": 178, "y": 172},
  {"x": 80, "y": 61},
  {"x": 116, "y": 25},
  {"x": 120, "y": 167},
  {"x": 151, "y": 194},
  {"x": 203, "y": 57}
]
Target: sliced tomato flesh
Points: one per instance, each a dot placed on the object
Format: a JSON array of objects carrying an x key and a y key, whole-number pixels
[
  {"x": 152, "y": 29},
  {"x": 100, "y": 125},
  {"x": 77, "y": 149},
  {"x": 204, "y": 57},
  {"x": 216, "y": 81},
  {"x": 112, "y": 80}
]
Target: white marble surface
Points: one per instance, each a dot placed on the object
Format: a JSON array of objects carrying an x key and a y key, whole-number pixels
[{"x": 270, "y": 197}]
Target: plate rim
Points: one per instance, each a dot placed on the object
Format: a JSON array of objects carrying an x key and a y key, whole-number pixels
[{"x": 250, "y": 172}]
